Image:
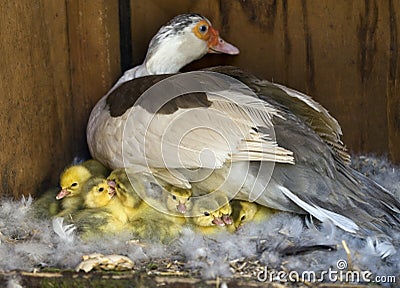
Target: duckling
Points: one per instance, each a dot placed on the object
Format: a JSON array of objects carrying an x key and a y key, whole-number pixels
[
  {"x": 119, "y": 180},
  {"x": 72, "y": 180},
  {"x": 208, "y": 215},
  {"x": 244, "y": 212},
  {"x": 132, "y": 187},
  {"x": 96, "y": 193},
  {"x": 102, "y": 208},
  {"x": 46, "y": 205},
  {"x": 149, "y": 223},
  {"x": 178, "y": 199}
]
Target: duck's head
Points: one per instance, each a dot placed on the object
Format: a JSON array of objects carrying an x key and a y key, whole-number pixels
[{"x": 185, "y": 38}]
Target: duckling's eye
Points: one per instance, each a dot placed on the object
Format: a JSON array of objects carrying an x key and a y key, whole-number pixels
[
  {"x": 74, "y": 184},
  {"x": 206, "y": 214},
  {"x": 203, "y": 28},
  {"x": 101, "y": 189},
  {"x": 174, "y": 197},
  {"x": 243, "y": 217}
]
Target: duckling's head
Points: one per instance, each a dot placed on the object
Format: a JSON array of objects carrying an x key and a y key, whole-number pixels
[
  {"x": 185, "y": 38},
  {"x": 119, "y": 182},
  {"x": 245, "y": 212},
  {"x": 97, "y": 193},
  {"x": 179, "y": 200},
  {"x": 71, "y": 181},
  {"x": 206, "y": 213}
]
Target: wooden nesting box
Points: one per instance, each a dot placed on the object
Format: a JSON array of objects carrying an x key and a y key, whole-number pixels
[{"x": 59, "y": 57}]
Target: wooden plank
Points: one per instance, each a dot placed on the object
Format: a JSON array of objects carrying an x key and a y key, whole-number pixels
[
  {"x": 343, "y": 53},
  {"x": 393, "y": 80},
  {"x": 95, "y": 63},
  {"x": 35, "y": 101}
]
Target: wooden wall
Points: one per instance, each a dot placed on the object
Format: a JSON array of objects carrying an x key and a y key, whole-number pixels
[{"x": 59, "y": 57}]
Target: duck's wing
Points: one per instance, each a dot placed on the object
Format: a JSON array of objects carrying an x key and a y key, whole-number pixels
[
  {"x": 189, "y": 120},
  {"x": 302, "y": 105}
]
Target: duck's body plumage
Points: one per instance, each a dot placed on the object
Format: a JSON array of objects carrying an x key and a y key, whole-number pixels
[{"x": 260, "y": 124}]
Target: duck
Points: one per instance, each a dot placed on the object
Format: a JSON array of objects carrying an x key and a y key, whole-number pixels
[
  {"x": 259, "y": 142},
  {"x": 183, "y": 39}
]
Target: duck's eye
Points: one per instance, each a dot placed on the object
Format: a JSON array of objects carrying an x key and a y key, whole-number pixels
[
  {"x": 206, "y": 214},
  {"x": 203, "y": 28},
  {"x": 243, "y": 217},
  {"x": 174, "y": 197},
  {"x": 101, "y": 189},
  {"x": 74, "y": 184}
]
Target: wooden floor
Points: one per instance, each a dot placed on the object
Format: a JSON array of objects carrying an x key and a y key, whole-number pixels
[{"x": 135, "y": 279}]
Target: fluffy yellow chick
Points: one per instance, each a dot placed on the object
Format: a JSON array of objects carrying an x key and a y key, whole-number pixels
[
  {"x": 104, "y": 211},
  {"x": 178, "y": 199},
  {"x": 211, "y": 214},
  {"x": 118, "y": 180},
  {"x": 149, "y": 219},
  {"x": 46, "y": 205},
  {"x": 149, "y": 223},
  {"x": 244, "y": 212},
  {"x": 96, "y": 193},
  {"x": 72, "y": 180}
]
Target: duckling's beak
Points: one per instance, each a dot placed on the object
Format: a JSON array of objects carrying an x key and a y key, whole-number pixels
[
  {"x": 111, "y": 187},
  {"x": 227, "y": 219},
  {"x": 111, "y": 192},
  {"x": 181, "y": 207},
  {"x": 63, "y": 193},
  {"x": 218, "y": 221},
  {"x": 218, "y": 45}
]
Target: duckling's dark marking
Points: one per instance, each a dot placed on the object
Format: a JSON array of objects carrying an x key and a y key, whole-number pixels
[{"x": 125, "y": 96}]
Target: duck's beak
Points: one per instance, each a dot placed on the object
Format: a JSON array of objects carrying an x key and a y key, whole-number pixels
[
  {"x": 218, "y": 45},
  {"x": 62, "y": 194}
]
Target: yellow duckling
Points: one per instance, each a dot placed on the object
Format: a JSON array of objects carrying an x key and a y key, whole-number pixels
[
  {"x": 145, "y": 220},
  {"x": 244, "y": 212},
  {"x": 72, "y": 180},
  {"x": 178, "y": 199},
  {"x": 211, "y": 214},
  {"x": 133, "y": 186},
  {"x": 46, "y": 205},
  {"x": 149, "y": 223},
  {"x": 104, "y": 211},
  {"x": 119, "y": 180}
]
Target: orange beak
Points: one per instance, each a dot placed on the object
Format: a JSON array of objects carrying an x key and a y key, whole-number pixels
[{"x": 218, "y": 45}]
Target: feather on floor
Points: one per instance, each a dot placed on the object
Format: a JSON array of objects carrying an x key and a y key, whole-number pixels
[{"x": 284, "y": 242}]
